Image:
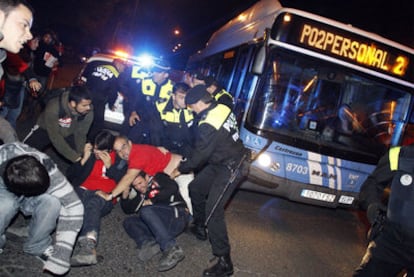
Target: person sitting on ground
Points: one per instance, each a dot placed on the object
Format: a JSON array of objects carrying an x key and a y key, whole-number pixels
[
  {"x": 31, "y": 182},
  {"x": 64, "y": 123},
  {"x": 99, "y": 169},
  {"x": 162, "y": 216},
  {"x": 140, "y": 157}
]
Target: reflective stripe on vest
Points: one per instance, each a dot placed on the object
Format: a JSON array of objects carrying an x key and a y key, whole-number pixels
[
  {"x": 174, "y": 116},
  {"x": 394, "y": 157},
  {"x": 221, "y": 93},
  {"x": 218, "y": 117},
  {"x": 137, "y": 74},
  {"x": 112, "y": 69}
]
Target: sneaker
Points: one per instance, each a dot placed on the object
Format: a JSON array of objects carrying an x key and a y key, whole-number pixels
[
  {"x": 46, "y": 254},
  {"x": 170, "y": 258},
  {"x": 86, "y": 254},
  {"x": 148, "y": 250}
]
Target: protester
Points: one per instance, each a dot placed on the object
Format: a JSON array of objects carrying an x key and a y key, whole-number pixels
[
  {"x": 162, "y": 216},
  {"x": 16, "y": 18},
  {"x": 140, "y": 157},
  {"x": 99, "y": 169},
  {"x": 31, "y": 182},
  {"x": 64, "y": 123}
]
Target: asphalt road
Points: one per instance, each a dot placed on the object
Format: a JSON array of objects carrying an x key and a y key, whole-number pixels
[{"x": 269, "y": 236}]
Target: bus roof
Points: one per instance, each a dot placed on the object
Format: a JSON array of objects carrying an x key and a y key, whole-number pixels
[
  {"x": 247, "y": 26},
  {"x": 250, "y": 25}
]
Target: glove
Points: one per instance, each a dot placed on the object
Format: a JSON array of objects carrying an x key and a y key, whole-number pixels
[{"x": 374, "y": 210}]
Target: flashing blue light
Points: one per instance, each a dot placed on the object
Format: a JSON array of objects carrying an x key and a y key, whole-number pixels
[{"x": 145, "y": 60}]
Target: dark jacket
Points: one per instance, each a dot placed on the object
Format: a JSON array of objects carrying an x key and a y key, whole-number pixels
[
  {"x": 163, "y": 191},
  {"x": 54, "y": 120},
  {"x": 217, "y": 140}
]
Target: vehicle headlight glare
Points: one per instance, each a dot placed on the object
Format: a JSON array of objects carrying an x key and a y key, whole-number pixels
[{"x": 264, "y": 160}]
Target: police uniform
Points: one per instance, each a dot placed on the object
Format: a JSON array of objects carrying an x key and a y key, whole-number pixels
[
  {"x": 223, "y": 97},
  {"x": 178, "y": 129},
  {"x": 149, "y": 101},
  {"x": 393, "y": 249},
  {"x": 217, "y": 152},
  {"x": 101, "y": 80}
]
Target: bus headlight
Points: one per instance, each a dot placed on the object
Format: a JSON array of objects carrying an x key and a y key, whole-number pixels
[{"x": 264, "y": 160}]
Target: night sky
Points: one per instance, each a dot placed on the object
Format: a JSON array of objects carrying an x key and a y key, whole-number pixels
[{"x": 147, "y": 25}]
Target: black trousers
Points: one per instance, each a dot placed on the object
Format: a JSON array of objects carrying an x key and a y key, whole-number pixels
[
  {"x": 205, "y": 189},
  {"x": 389, "y": 254}
]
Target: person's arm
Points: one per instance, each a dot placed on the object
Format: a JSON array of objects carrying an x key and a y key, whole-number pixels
[
  {"x": 167, "y": 187},
  {"x": 82, "y": 131},
  {"x": 129, "y": 206},
  {"x": 117, "y": 170},
  {"x": 204, "y": 146},
  {"x": 373, "y": 188},
  {"x": 122, "y": 185},
  {"x": 51, "y": 117}
]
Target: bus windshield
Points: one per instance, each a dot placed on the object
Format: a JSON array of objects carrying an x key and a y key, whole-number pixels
[{"x": 325, "y": 108}]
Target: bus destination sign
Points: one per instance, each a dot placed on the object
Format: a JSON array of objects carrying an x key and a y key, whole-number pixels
[{"x": 345, "y": 45}]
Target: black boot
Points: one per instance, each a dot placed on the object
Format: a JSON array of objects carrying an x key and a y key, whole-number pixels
[
  {"x": 199, "y": 231},
  {"x": 223, "y": 267}
]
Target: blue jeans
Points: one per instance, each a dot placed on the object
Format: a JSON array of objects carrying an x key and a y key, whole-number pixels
[
  {"x": 44, "y": 211},
  {"x": 162, "y": 223},
  {"x": 95, "y": 208}
]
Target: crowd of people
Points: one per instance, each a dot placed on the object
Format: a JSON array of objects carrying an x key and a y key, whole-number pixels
[{"x": 175, "y": 163}]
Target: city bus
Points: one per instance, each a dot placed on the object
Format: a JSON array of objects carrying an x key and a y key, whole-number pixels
[{"x": 318, "y": 101}]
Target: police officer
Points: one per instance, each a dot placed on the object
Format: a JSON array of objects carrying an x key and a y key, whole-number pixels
[
  {"x": 178, "y": 133},
  {"x": 218, "y": 152},
  {"x": 392, "y": 250},
  {"x": 214, "y": 88},
  {"x": 102, "y": 82},
  {"x": 147, "y": 104},
  {"x": 177, "y": 119}
]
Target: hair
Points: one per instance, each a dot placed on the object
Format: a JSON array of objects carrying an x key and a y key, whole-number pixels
[
  {"x": 25, "y": 175},
  {"x": 79, "y": 93},
  {"x": 182, "y": 87},
  {"x": 9, "y": 5},
  {"x": 142, "y": 174},
  {"x": 207, "y": 98},
  {"x": 104, "y": 140}
]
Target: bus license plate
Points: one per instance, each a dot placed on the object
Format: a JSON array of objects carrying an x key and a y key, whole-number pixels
[{"x": 318, "y": 195}]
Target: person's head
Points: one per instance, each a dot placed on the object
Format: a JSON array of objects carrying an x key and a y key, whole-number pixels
[
  {"x": 16, "y": 18},
  {"x": 25, "y": 175},
  {"x": 48, "y": 37},
  {"x": 178, "y": 95},
  {"x": 122, "y": 146},
  {"x": 197, "y": 78},
  {"x": 198, "y": 98},
  {"x": 211, "y": 84},
  {"x": 140, "y": 182},
  {"x": 160, "y": 71},
  {"x": 103, "y": 142},
  {"x": 80, "y": 100},
  {"x": 34, "y": 43}
]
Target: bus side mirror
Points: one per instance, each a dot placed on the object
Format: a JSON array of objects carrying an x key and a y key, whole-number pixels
[{"x": 259, "y": 61}]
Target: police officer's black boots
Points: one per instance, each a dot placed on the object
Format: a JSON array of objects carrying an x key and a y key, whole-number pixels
[
  {"x": 223, "y": 267},
  {"x": 199, "y": 231}
]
